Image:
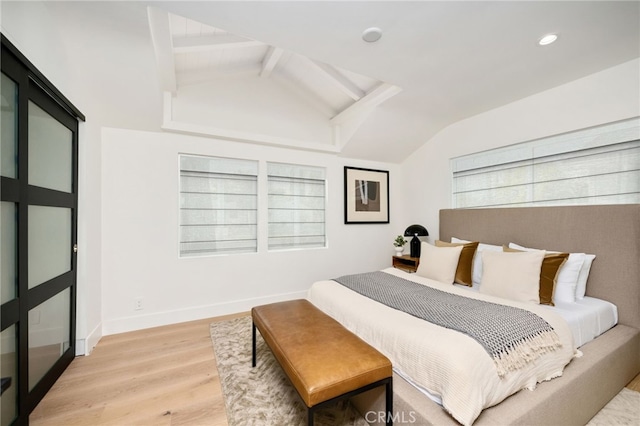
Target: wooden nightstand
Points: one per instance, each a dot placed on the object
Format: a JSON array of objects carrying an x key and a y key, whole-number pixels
[{"x": 406, "y": 262}]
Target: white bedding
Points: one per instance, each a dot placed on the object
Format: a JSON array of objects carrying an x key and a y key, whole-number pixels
[
  {"x": 588, "y": 318},
  {"x": 447, "y": 364}
]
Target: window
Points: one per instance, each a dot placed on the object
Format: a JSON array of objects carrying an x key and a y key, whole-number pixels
[
  {"x": 218, "y": 205},
  {"x": 296, "y": 206},
  {"x": 599, "y": 165}
]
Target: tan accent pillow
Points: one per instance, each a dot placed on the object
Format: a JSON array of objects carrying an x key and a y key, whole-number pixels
[
  {"x": 567, "y": 279},
  {"x": 548, "y": 273},
  {"x": 477, "y": 260},
  {"x": 514, "y": 276},
  {"x": 464, "y": 272},
  {"x": 438, "y": 263}
]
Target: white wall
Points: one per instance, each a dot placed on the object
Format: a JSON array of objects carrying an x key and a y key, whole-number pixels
[
  {"x": 607, "y": 96},
  {"x": 140, "y": 235},
  {"x": 250, "y": 104},
  {"x": 110, "y": 85}
]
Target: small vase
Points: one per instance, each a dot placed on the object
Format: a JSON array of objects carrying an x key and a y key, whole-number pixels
[{"x": 399, "y": 250}]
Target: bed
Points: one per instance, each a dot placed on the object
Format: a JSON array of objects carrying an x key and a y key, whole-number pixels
[{"x": 607, "y": 363}]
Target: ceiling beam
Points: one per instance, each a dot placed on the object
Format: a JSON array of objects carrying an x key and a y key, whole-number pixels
[
  {"x": 339, "y": 80},
  {"x": 343, "y": 132},
  {"x": 365, "y": 105},
  {"x": 270, "y": 60},
  {"x": 212, "y": 42},
  {"x": 163, "y": 47}
]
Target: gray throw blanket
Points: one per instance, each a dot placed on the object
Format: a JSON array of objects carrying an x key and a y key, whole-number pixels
[{"x": 513, "y": 337}]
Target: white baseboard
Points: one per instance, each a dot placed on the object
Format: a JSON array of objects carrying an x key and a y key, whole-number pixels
[
  {"x": 139, "y": 322},
  {"x": 86, "y": 345}
]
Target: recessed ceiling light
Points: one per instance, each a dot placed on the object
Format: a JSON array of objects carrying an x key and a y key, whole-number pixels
[
  {"x": 548, "y": 39},
  {"x": 372, "y": 34}
]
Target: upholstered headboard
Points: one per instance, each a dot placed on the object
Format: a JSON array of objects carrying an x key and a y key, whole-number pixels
[{"x": 611, "y": 232}]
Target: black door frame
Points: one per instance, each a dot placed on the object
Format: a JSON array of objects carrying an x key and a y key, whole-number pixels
[{"x": 34, "y": 87}]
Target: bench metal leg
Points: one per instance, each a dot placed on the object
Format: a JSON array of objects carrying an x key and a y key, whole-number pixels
[
  {"x": 310, "y": 412},
  {"x": 389, "y": 395},
  {"x": 253, "y": 357}
]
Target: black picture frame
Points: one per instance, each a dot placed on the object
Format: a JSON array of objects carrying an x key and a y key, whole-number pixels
[{"x": 366, "y": 196}]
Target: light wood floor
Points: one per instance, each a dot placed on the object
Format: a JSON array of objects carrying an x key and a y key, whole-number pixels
[{"x": 160, "y": 376}]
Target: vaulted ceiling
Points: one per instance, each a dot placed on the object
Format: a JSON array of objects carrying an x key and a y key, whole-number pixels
[
  {"x": 436, "y": 63},
  {"x": 202, "y": 53},
  {"x": 190, "y": 52}
]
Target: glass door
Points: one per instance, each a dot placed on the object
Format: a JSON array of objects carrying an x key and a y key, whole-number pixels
[
  {"x": 38, "y": 218},
  {"x": 8, "y": 250},
  {"x": 51, "y": 235}
]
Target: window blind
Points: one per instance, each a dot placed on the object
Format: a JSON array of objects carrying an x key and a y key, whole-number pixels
[
  {"x": 296, "y": 204},
  {"x": 218, "y": 205},
  {"x": 599, "y": 165}
]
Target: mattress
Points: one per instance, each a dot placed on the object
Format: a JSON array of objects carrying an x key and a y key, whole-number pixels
[
  {"x": 588, "y": 318},
  {"x": 459, "y": 370}
]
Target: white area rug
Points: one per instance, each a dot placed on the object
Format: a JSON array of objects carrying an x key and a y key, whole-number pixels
[
  {"x": 624, "y": 409},
  {"x": 263, "y": 396}
]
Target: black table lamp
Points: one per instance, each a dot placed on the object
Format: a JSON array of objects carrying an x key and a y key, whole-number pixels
[{"x": 415, "y": 231}]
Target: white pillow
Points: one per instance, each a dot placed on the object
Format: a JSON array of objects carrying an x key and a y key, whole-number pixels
[
  {"x": 476, "y": 276},
  {"x": 512, "y": 275},
  {"x": 567, "y": 278},
  {"x": 581, "y": 289},
  {"x": 438, "y": 263}
]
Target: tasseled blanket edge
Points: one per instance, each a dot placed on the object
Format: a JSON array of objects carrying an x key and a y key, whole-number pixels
[{"x": 526, "y": 351}]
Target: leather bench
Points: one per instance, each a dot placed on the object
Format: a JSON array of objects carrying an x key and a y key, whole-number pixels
[{"x": 324, "y": 361}]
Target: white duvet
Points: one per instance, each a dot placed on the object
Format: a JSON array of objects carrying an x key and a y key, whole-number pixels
[{"x": 448, "y": 364}]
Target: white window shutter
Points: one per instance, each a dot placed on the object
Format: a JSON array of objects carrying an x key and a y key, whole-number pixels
[
  {"x": 599, "y": 165},
  {"x": 296, "y": 203},
  {"x": 218, "y": 205}
]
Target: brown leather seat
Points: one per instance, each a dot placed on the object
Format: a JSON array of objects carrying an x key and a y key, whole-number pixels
[{"x": 322, "y": 359}]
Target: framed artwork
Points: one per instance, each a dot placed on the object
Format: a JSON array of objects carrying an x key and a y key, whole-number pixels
[{"x": 366, "y": 195}]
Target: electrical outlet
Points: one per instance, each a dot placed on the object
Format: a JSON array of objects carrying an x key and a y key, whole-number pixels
[{"x": 137, "y": 304}]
